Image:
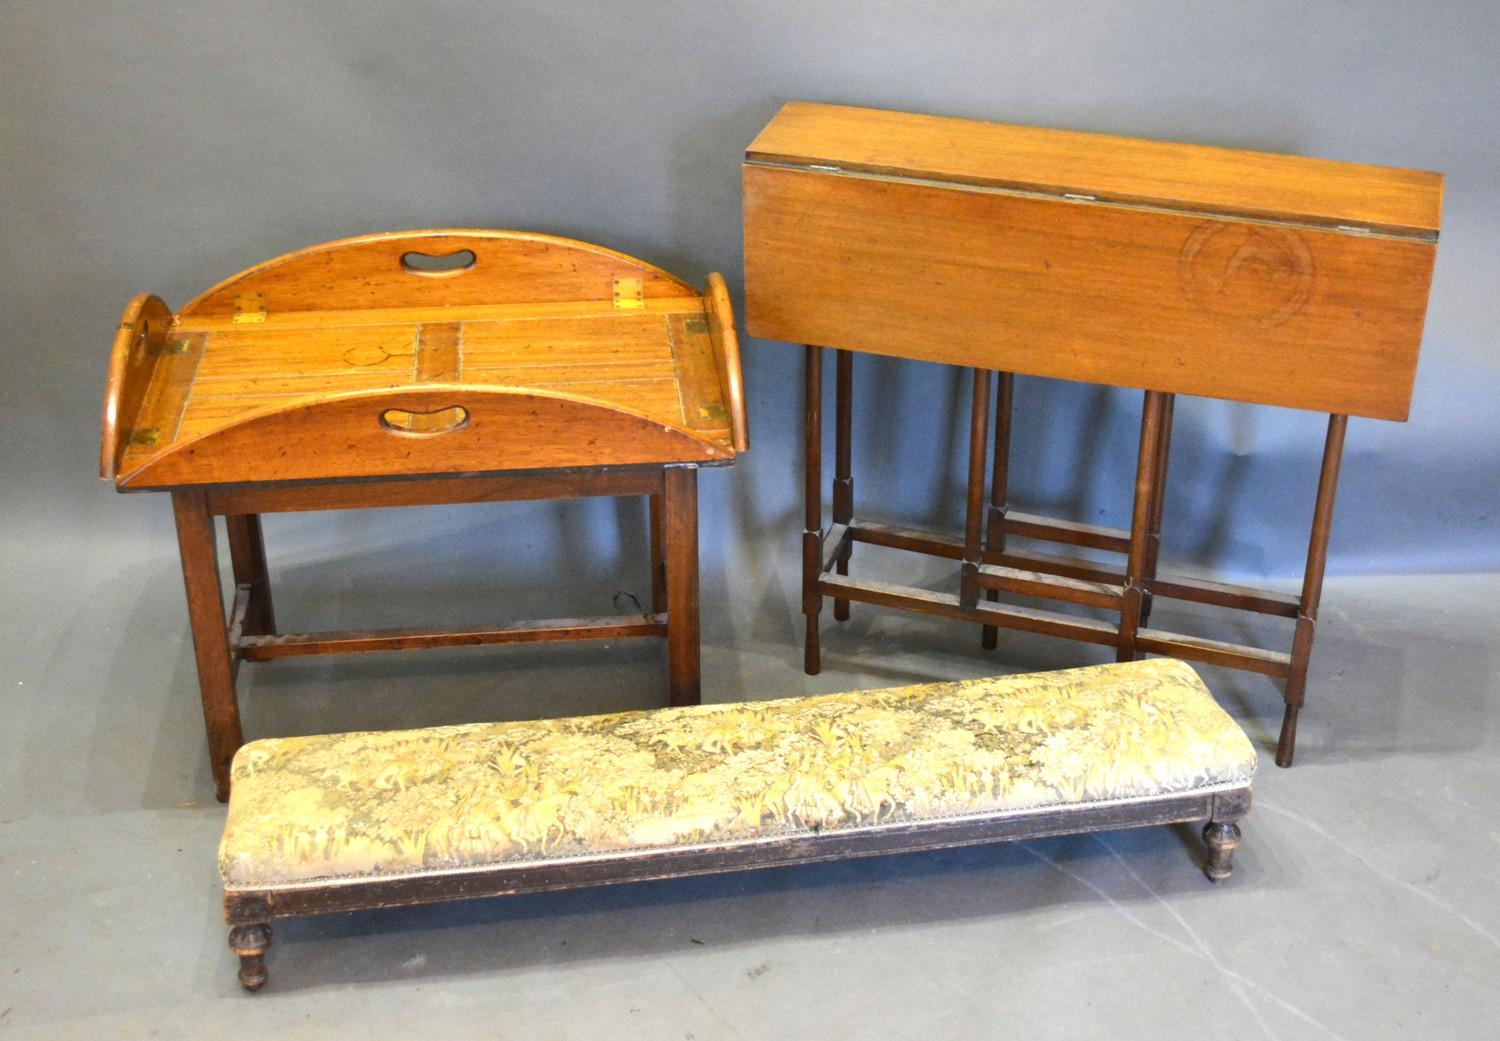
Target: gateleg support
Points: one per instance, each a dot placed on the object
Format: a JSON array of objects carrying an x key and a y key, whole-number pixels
[
  {"x": 1147, "y": 479},
  {"x": 843, "y": 475},
  {"x": 1312, "y": 587},
  {"x": 979, "y": 429},
  {"x": 812, "y": 528},
  {"x": 1296, "y": 689},
  {"x": 1158, "y": 506},
  {"x": 994, "y": 528}
]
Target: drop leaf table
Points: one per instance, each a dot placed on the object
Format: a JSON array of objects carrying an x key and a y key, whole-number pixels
[{"x": 1170, "y": 268}]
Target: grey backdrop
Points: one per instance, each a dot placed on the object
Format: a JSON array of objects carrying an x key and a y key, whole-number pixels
[
  {"x": 165, "y": 145},
  {"x": 162, "y": 146}
]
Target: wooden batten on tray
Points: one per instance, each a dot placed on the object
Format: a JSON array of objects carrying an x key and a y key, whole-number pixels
[
  {"x": 1171, "y": 268},
  {"x": 1228, "y": 274}
]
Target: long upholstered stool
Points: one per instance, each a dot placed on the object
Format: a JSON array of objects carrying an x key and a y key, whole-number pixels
[{"x": 354, "y": 821}]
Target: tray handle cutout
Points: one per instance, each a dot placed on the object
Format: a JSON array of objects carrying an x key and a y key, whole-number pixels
[
  {"x": 405, "y": 423},
  {"x": 434, "y": 265}
]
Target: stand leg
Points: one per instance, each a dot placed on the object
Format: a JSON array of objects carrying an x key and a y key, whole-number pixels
[
  {"x": 247, "y": 556},
  {"x": 843, "y": 475},
  {"x": 1153, "y": 533},
  {"x": 680, "y": 501},
  {"x": 250, "y": 943},
  {"x": 1146, "y": 479},
  {"x": 812, "y": 527},
  {"x": 200, "y": 576},
  {"x": 1312, "y": 587},
  {"x": 994, "y": 530},
  {"x": 1222, "y": 837},
  {"x": 658, "y": 562},
  {"x": 979, "y": 429}
]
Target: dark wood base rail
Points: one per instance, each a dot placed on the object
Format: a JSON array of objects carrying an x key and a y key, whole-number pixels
[
  {"x": 990, "y": 567},
  {"x": 250, "y": 912},
  {"x": 295, "y": 645}
]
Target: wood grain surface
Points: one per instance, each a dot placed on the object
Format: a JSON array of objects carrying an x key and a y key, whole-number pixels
[
  {"x": 140, "y": 334},
  {"x": 343, "y": 436},
  {"x": 1180, "y": 176},
  {"x": 268, "y": 349},
  {"x": 1112, "y": 294},
  {"x": 370, "y": 271}
]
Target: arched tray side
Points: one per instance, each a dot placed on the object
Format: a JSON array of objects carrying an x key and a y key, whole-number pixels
[
  {"x": 727, "y": 348},
  {"x": 371, "y": 271},
  {"x": 344, "y": 437},
  {"x": 142, "y": 331}
]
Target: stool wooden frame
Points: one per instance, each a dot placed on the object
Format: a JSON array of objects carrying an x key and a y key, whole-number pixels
[
  {"x": 301, "y": 840},
  {"x": 250, "y": 912},
  {"x": 347, "y": 376}
]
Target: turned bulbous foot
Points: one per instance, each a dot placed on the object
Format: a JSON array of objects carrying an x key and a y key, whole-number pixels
[
  {"x": 249, "y": 943},
  {"x": 1222, "y": 837}
]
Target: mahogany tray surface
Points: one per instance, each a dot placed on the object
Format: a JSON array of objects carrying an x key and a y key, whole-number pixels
[{"x": 345, "y": 360}]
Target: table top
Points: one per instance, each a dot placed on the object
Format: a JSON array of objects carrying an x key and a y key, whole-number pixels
[
  {"x": 1168, "y": 174},
  {"x": 1244, "y": 276},
  {"x": 421, "y": 353}
]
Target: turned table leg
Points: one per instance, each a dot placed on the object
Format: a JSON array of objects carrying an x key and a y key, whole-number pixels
[
  {"x": 250, "y": 943},
  {"x": 979, "y": 432},
  {"x": 812, "y": 526},
  {"x": 1146, "y": 479},
  {"x": 843, "y": 464},
  {"x": 1158, "y": 505},
  {"x": 200, "y": 576},
  {"x": 994, "y": 528},
  {"x": 1222, "y": 837},
  {"x": 680, "y": 506}
]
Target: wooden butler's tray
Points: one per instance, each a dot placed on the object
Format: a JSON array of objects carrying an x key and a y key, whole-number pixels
[
  {"x": 417, "y": 369},
  {"x": 421, "y": 353}
]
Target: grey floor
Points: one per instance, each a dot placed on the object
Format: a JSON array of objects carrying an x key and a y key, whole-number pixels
[{"x": 1364, "y": 906}]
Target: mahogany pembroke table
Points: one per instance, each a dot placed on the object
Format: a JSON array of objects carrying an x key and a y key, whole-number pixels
[
  {"x": 418, "y": 368},
  {"x": 1175, "y": 269}
]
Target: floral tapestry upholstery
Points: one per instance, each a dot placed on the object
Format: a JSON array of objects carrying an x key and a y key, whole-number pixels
[{"x": 457, "y": 797}]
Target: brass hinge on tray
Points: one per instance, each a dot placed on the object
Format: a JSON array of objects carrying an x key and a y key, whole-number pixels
[
  {"x": 250, "y": 307},
  {"x": 630, "y": 294}
]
